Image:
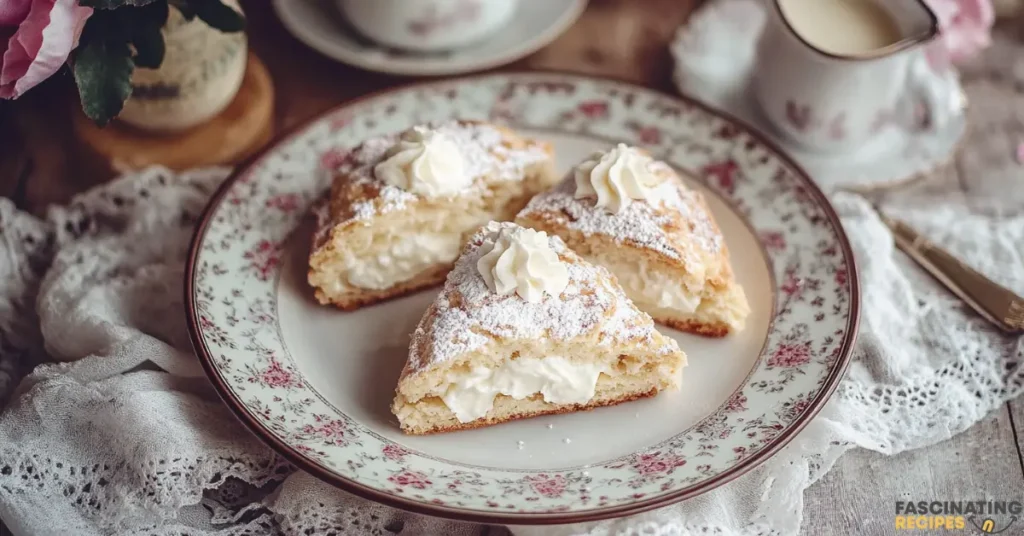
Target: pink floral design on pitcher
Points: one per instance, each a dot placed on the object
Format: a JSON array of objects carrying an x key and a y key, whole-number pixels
[
  {"x": 883, "y": 118},
  {"x": 837, "y": 127},
  {"x": 800, "y": 116}
]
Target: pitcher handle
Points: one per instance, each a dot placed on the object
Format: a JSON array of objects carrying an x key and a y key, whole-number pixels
[{"x": 933, "y": 98}]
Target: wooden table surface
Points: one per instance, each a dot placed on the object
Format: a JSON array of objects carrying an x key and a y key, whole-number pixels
[{"x": 621, "y": 38}]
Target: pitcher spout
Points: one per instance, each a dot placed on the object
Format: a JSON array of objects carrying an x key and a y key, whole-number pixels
[
  {"x": 858, "y": 29},
  {"x": 918, "y": 23}
]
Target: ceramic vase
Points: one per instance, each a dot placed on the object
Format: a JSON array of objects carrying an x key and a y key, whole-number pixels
[{"x": 200, "y": 75}]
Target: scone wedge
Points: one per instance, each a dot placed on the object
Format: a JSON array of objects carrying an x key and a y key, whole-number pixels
[
  {"x": 401, "y": 206},
  {"x": 525, "y": 327},
  {"x": 633, "y": 215}
]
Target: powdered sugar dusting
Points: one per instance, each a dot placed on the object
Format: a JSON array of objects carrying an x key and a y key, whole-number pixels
[
  {"x": 484, "y": 150},
  {"x": 469, "y": 315},
  {"x": 640, "y": 224}
]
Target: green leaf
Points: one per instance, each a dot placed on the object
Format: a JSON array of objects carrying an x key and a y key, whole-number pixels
[
  {"x": 145, "y": 24},
  {"x": 114, "y": 4},
  {"x": 218, "y": 15},
  {"x": 154, "y": 14},
  {"x": 149, "y": 47},
  {"x": 103, "y": 73},
  {"x": 105, "y": 26}
]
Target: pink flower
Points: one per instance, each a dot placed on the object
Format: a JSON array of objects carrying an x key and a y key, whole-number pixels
[
  {"x": 548, "y": 486},
  {"x": 797, "y": 409},
  {"x": 964, "y": 29},
  {"x": 790, "y": 355},
  {"x": 277, "y": 376},
  {"x": 723, "y": 174},
  {"x": 394, "y": 452},
  {"x": 649, "y": 135},
  {"x": 841, "y": 276},
  {"x": 263, "y": 258},
  {"x": 333, "y": 158},
  {"x": 737, "y": 402},
  {"x": 793, "y": 285},
  {"x": 412, "y": 479},
  {"x": 331, "y": 431},
  {"x": 47, "y": 31},
  {"x": 773, "y": 240},
  {"x": 656, "y": 463},
  {"x": 594, "y": 109},
  {"x": 284, "y": 202}
]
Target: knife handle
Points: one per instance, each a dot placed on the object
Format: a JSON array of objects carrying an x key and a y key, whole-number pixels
[{"x": 997, "y": 304}]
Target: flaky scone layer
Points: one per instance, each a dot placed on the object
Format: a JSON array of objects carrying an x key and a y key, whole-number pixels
[
  {"x": 364, "y": 218},
  {"x": 468, "y": 326},
  {"x": 676, "y": 241}
]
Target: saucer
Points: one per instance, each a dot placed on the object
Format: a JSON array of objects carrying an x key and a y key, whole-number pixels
[
  {"x": 714, "y": 56},
  {"x": 318, "y": 24}
]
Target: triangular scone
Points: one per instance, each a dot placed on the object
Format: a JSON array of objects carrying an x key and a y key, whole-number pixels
[
  {"x": 634, "y": 216},
  {"x": 402, "y": 205},
  {"x": 563, "y": 338}
]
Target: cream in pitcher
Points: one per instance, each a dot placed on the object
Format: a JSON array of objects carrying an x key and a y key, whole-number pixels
[
  {"x": 833, "y": 73},
  {"x": 841, "y": 26}
]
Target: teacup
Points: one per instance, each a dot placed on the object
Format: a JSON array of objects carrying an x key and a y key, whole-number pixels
[
  {"x": 832, "y": 74},
  {"x": 427, "y": 25}
]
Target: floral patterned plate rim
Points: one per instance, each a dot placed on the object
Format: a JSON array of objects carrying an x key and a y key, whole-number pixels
[{"x": 245, "y": 298}]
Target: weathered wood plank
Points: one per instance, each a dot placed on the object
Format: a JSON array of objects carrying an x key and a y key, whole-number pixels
[
  {"x": 1016, "y": 408},
  {"x": 859, "y": 495}
]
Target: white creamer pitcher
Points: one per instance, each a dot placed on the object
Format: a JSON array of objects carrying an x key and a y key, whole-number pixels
[{"x": 831, "y": 74}]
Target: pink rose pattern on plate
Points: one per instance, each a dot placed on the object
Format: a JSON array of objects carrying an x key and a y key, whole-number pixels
[{"x": 238, "y": 263}]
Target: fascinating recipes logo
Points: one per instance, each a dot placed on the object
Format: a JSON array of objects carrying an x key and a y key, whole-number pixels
[{"x": 985, "y": 517}]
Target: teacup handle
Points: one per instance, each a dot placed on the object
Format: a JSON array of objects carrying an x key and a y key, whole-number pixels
[{"x": 932, "y": 99}]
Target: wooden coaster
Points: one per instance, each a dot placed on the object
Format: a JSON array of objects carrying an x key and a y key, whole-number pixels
[{"x": 230, "y": 137}]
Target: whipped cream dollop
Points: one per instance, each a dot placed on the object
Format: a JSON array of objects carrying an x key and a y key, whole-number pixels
[
  {"x": 403, "y": 260},
  {"x": 425, "y": 162},
  {"x": 470, "y": 395},
  {"x": 617, "y": 177},
  {"x": 521, "y": 260}
]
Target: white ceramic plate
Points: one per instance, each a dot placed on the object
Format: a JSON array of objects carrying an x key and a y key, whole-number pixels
[
  {"x": 316, "y": 383},
  {"x": 318, "y": 24}
]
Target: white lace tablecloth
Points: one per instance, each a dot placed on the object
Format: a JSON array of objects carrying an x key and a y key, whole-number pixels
[{"x": 109, "y": 426}]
